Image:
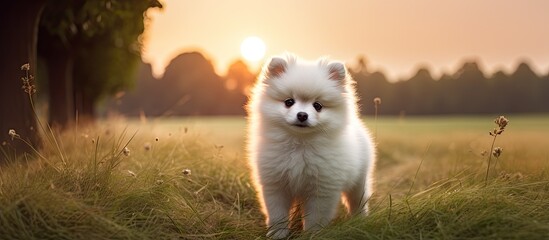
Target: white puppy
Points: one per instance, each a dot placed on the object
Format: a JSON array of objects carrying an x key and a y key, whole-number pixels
[{"x": 307, "y": 144}]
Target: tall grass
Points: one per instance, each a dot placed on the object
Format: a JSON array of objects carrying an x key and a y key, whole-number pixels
[
  {"x": 178, "y": 182},
  {"x": 457, "y": 209},
  {"x": 103, "y": 194}
]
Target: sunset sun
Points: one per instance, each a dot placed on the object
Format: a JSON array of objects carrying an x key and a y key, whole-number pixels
[{"x": 252, "y": 49}]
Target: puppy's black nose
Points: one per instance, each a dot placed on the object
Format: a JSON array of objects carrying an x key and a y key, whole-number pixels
[{"x": 302, "y": 116}]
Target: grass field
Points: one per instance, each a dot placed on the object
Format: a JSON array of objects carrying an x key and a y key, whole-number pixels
[{"x": 188, "y": 179}]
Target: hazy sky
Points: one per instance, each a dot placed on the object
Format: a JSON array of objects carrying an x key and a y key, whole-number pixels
[{"x": 394, "y": 36}]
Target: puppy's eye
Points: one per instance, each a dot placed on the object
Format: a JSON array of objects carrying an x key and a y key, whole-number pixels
[
  {"x": 317, "y": 106},
  {"x": 289, "y": 102}
]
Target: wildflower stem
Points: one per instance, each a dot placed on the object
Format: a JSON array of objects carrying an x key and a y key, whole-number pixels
[
  {"x": 377, "y": 102},
  {"x": 375, "y": 121},
  {"x": 489, "y": 160},
  {"x": 30, "y": 89}
]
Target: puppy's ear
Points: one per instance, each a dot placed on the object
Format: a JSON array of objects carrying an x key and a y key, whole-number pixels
[
  {"x": 337, "y": 71},
  {"x": 276, "y": 67}
]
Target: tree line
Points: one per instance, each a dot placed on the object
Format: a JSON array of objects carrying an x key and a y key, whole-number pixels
[
  {"x": 467, "y": 91},
  {"x": 190, "y": 86}
]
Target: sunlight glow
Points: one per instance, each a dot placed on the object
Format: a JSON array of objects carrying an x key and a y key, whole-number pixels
[{"x": 252, "y": 49}]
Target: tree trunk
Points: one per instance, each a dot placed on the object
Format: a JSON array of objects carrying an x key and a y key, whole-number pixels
[
  {"x": 85, "y": 107},
  {"x": 19, "y": 31},
  {"x": 61, "y": 104}
]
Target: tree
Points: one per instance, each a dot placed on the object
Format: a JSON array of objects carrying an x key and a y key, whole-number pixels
[
  {"x": 370, "y": 86},
  {"x": 59, "y": 61},
  {"x": 194, "y": 86},
  {"x": 470, "y": 87},
  {"x": 239, "y": 77},
  {"x": 98, "y": 45},
  {"x": 420, "y": 92},
  {"x": 18, "y": 28},
  {"x": 238, "y": 83},
  {"x": 525, "y": 90},
  {"x": 445, "y": 100},
  {"x": 143, "y": 99},
  {"x": 499, "y": 91},
  {"x": 545, "y": 95},
  {"x": 190, "y": 86}
]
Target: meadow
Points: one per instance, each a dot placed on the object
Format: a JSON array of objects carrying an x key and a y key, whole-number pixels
[{"x": 188, "y": 179}]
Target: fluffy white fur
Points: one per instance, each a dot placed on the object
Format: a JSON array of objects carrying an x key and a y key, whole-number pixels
[{"x": 315, "y": 162}]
